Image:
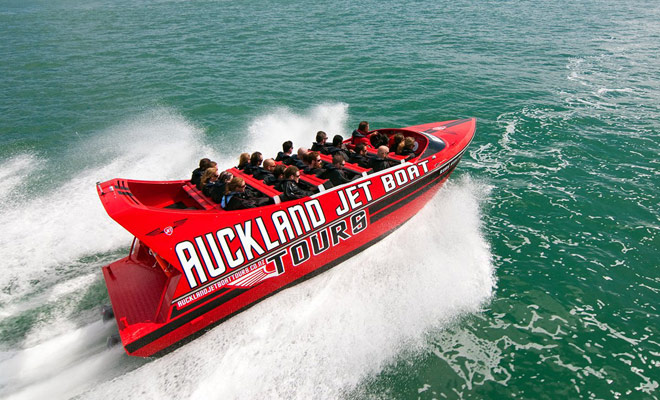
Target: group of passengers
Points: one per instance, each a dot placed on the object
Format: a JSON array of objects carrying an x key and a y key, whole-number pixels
[{"x": 283, "y": 172}]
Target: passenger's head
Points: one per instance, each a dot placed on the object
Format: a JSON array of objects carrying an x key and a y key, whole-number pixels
[
  {"x": 409, "y": 143},
  {"x": 321, "y": 137},
  {"x": 301, "y": 153},
  {"x": 338, "y": 161},
  {"x": 213, "y": 164},
  {"x": 244, "y": 158},
  {"x": 375, "y": 141},
  {"x": 225, "y": 176},
  {"x": 313, "y": 159},
  {"x": 209, "y": 175},
  {"x": 337, "y": 140},
  {"x": 279, "y": 171},
  {"x": 287, "y": 147},
  {"x": 363, "y": 126},
  {"x": 269, "y": 164},
  {"x": 256, "y": 158},
  {"x": 204, "y": 163},
  {"x": 398, "y": 138},
  {"x": 237, "y": 184},
  {"x": 383, "y": 151},
  {"x": 292, "y": 173},
  {"x": 360, "y": 148}
]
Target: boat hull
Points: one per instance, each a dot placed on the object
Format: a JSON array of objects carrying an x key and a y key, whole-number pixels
[{"x": 211, "y": 267}]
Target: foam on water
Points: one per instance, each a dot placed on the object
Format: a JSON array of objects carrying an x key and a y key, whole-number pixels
[
  {"x": 62, "y": 366},
  {"x": 44, "y": 232}
]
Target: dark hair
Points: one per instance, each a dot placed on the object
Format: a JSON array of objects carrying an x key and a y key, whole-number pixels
[
  {"x": 359, "y": 147},
  {"x": 286, "y": 146},
  {"x": 337, "y": 159},
  {"x": 254, "y": 158},
  {"x": 204, "y": 163},
  {"x": 290, "y": 171},
  {"x": 398, "y": 138},
  {"x": 375, "y": 141},
  {"x": 320, "y": 135},
  {"x": 336, "y": 141},
  {"x": 279, "y": 170},
  {"x": 363, "y": 125},
  {"x": 224, "y": 175}
]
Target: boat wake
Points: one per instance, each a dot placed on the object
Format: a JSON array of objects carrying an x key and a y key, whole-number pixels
[{"x": 321, "y": 338}]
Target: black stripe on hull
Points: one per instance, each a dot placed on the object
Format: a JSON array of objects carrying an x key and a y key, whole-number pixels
[{"x": 411, "y": 192}]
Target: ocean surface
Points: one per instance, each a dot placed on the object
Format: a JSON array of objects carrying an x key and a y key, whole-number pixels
[{"x": 533, "y": 274}]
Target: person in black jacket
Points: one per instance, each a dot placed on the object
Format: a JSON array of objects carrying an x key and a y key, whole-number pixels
[
  {"x": 298, "y": 159},
  {"x": 337, "y": 147},
  {"x": 290, "y": 188},
  {"x": 255, "y": 162},
  {"x": 380, "y": 162},
  {"x": 265, "y": 170},
  {"x": 285, "y": 154},
  {"x": 407, "y": 148},
  {"x": 208, "y": 179},
  {"x": 204, "y": 163},
  {"x": 234, "y": 199},
  {"x": 320, "y": 144},
  {"x": 359, "y": 156},
  {"x": 218, "y": 188},
  {"x": 313, "y": 164},
  {"x": 335, "y": 172},
  {"x": 276, "y": 177}
]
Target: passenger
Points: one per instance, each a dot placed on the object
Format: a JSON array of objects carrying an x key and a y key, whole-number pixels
[
  {"x": 277, "y": 176},
  {"x": 204, "y": 163},
  {"x": 396, "y": 139},
  {"x": 219, "y": 187},
  {"x": 359, "y": 156},
  {"x": 255, "y": 162},
  {"x": 378, "y": 139},
  {"x": 199, "y": 185},
  {"x": 208, "y": 179},
  {"x": 234, "y": 198},
  {"x": 285, "y": 154},
  {"x": 313, "y": 164},
  {"x": 243, "y": 161},
  {"x": 361, "y": 134},
  {"x": 406, "y": 148},
  {"x": 380, "y": 162},
  {"x": 335, "y": 172},
  {"x": 299, "y": 159},
  {"x": 337, "y": 147},
  {"x": 320, "y": 144},
  {"x": 290, "y": 188},
  {"x": 265, "y": 170}
]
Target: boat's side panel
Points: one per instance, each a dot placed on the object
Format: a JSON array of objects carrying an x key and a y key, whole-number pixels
[{"x": 218, "y": 308}]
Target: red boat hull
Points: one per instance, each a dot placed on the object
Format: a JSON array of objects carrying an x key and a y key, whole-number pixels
[{"x": 191, "y": 269}]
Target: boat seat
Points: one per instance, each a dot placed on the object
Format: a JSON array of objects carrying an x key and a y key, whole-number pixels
[
  {"x": 258, "y": 185},
  {"x": 199, "y": 197}
]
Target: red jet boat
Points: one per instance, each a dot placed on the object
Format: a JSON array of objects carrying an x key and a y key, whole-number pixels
[{"x": 192, "y": 264}]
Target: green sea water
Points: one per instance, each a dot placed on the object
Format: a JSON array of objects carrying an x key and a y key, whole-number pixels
[{"x": 533, "y": 274}]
